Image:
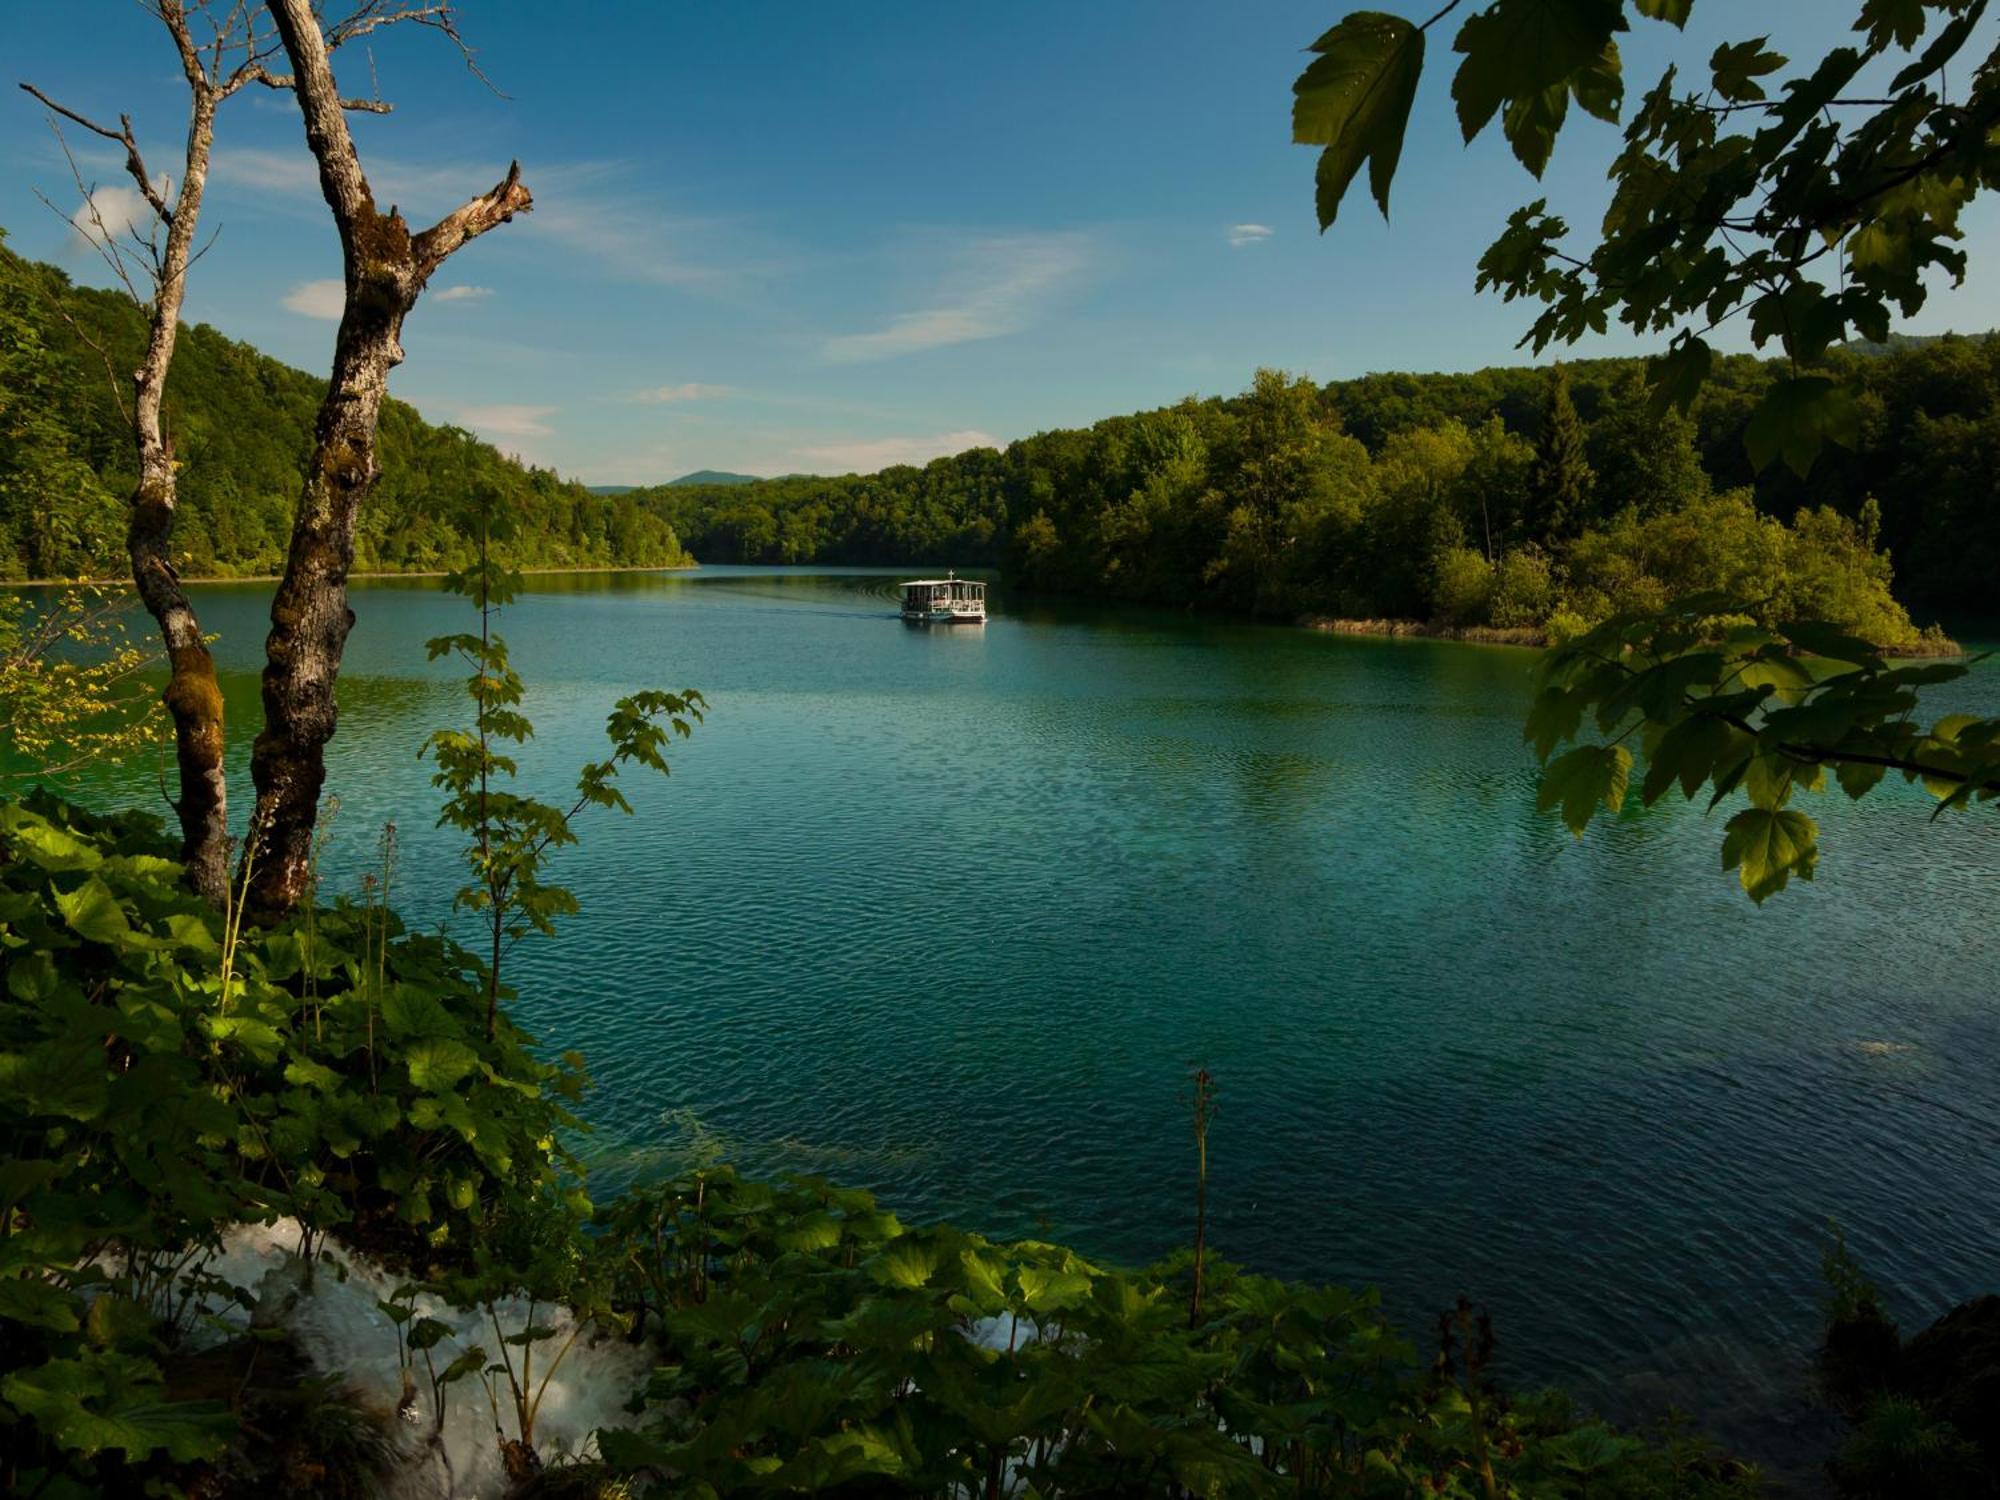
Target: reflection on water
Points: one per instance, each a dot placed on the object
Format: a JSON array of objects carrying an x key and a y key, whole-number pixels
[{"x": 949, "y": 912}]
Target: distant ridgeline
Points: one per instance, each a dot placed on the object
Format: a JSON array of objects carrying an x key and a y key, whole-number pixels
[
  {"x": 1488, "y": 499},
  {"x": 241, "y": 425}
]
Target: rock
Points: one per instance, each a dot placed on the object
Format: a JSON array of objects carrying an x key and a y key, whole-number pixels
[
  {"x": 1953, "y": 1369},
  {"x": 1860, "y": 1359}
]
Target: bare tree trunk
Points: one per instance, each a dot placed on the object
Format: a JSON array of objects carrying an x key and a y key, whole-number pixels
[
  {"x": 386, "y": 270},
  {"x": 193, "y": 696}
]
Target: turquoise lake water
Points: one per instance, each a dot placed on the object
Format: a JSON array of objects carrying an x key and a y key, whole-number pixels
[{"x": 949, "y": 913}]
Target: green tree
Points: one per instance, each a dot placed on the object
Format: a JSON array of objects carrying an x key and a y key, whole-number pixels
[{"x": 1559, "y": 485}]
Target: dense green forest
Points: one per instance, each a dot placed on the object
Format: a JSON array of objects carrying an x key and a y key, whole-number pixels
[
  {"x": 1512, "y": 498},
  {"x": 1507, "y": 497},
  {"x": 241, "y": 424}
]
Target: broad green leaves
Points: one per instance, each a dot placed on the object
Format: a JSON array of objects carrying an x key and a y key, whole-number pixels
[
  {"x": 1767, "y": 847},
  {"x": 1732, "y": 189},
  {"x": 1766, "y": 714},
  {"x": 1529, "y": 55},
  {"x": 1578, "y": 781},
  {"x": 1354, "y": 99},
  {"x": 1797, "y": 417}
]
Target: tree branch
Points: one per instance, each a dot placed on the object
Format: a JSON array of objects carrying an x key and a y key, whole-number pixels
[
  {"x": 467, "y": 222},
  {"x": 134, "y": 164}
]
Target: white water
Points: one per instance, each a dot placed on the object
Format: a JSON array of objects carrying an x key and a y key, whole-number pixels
[{"x": 337, "y": 1323}]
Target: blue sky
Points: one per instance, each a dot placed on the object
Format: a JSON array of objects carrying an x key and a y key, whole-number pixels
[{"x": 820, "y": 237}]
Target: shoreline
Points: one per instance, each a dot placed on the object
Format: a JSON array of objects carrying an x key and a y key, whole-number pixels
[
  {"x": 1529, "y": 638},
  {"x": 52, "y": 583}
]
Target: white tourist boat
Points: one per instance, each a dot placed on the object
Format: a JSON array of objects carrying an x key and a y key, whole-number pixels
[{"x": 950, "y": 600}]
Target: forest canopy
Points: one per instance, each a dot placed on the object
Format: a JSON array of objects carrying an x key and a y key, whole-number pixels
[
  {"x": 1516, "y": 499},
  {"x": 241, "y": 426},
  {"x": 1510, "y": 497}
]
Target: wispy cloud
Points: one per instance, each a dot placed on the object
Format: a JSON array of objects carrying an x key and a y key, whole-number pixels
[
  {"x": 318, "y": 299},
  {"x": 1002, "y": 284},
  {"x": 692, "y": 390},
  {"x": 605, "y": 210},
  {"x": 461, "y": 294},
  {"x": 866, "y": 455},
  {"x": 1248, "y": 234},
  {"x": 507, "y": 419},
  {"x": 108, "y": 213},
  {"x": 268, "y": 171}
]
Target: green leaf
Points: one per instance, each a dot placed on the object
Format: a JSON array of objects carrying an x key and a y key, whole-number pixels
[
  {"x": 1675, "y": 11},
  {"x": 1517, "y": 48},
  {"x": 31, "y": 976},
  {"x": 1688, "y": 753},
  {"x": 907, "y": 1263},
  {"x": 1796, "y": 418},
  {"x": 94, "y": 913},
  {"x": 1585, "y": 777},
  {"x": 1354, "y": 99},
  {"x": 1767, "y": 846},
  {"x": 109, "y": 1401},
  {"x": 1678, "y": 375},
  {"x": 436, "y": 1064},
  {"x": 1738, "y": 65}
]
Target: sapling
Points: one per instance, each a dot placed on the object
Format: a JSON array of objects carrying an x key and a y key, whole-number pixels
[
  {"x": 510, "y": 835},
  {"x": 1201, "y": 1106}
]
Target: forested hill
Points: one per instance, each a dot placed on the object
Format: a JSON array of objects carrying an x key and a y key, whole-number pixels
[
  {"x": 241, "y": 425},
  {"x": 1481, "y": 499}
]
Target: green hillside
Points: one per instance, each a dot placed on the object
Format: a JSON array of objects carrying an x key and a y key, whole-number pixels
[{"x": 241, "y": 424}]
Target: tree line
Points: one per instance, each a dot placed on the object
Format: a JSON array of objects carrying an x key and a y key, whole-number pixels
[
  {"x": 241, "y": 426},
  {"x": 1511, "y": 497}
]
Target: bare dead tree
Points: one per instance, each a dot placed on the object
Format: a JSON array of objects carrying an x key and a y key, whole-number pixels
[
  {"x": 231, "y": 55},
  {"x": 386, "y": 269}
]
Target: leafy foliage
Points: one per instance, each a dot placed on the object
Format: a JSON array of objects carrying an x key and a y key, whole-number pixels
[
  {"x": 812, "y": 1343},
  {"x": 510, "y": 836},
  {"x": 1726, "y": 705},
  {"x": 147, "y": 1104},
  {"x": 1728, "y": 196},
  {"x": 71, "y": 689}
]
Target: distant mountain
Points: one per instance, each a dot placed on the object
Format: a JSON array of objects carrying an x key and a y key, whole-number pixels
[
  {"x": 611, "y": 489},
  {"x": 714, "y": 476}
]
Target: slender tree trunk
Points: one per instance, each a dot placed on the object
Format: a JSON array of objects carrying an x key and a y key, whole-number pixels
[
  {"x": 386, "y": 269},
  {"x": 193, "y": 696}
]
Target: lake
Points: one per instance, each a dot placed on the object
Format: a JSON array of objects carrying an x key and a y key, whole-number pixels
[{"x": 950, "y": 914}]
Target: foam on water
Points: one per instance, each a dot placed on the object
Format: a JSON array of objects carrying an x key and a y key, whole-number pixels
[{"x": 338, "y": 1323}]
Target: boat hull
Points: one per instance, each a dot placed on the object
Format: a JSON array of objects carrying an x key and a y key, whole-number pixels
[{"x": 940, "y": 617}]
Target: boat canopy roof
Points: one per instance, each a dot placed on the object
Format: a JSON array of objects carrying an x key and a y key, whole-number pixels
[{"x": 919, "y": 583}]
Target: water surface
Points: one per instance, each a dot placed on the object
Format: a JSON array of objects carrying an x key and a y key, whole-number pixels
[{"x": 949, "y": 913}]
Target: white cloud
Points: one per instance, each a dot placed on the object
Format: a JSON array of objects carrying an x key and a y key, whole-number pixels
[
  {"x": 1248, "y": 234},
  {"x": 1003, "y": 283},
  {"x": 507, "y": 420},
  {"x": 461, "y": 294},
  {"x": 318, "y": 299},
  {"x": 108, "y": 213},
  {"x": 603, "y": 209},
  {"x": 693, "y": 390},
  {"x": 867, "y": 455},
  {"x": 269, "y": 171}
]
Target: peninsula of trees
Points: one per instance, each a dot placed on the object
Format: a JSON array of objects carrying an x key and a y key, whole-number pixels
[{"x": 1515, "y": 498}]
